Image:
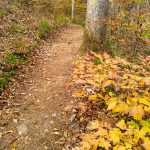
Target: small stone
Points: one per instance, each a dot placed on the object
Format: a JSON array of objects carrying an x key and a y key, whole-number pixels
[
  {"x": 56, "y": 133},
  {"x": 46, "y": 131},
  {"x": 15, "y": 120},
  {"x": 22, "y": 129},
  {"x": 45, "y": 147},
  {"x": 76, "y": 148},
  {"x": 55, "y": 129},
  {"x": 54, "y": 114},
  {"x": 51, "y": 122}
]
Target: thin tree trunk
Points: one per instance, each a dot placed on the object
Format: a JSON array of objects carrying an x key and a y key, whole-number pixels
[{"x": 72, "y": 10}]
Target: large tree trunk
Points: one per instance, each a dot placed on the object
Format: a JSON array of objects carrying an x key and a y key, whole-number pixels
[{"x": 97, "y": 11}]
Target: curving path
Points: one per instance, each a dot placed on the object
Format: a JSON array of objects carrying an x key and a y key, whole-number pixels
[{"x": 36, "y": 107}]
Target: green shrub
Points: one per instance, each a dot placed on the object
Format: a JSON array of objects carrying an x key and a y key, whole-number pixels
[
  {"x": 6, "y": 77},
  {"x": 15, "y": 28},
  {"x": 44, "y": 28},
  {"x": 3, "y": 13},
  {"x": 95, "y": 47},
  {"x": 110, "y": 43},
  {"x": 61, "y": 21},
  {"x": 79, "y": 20},
  {"x": 112, "y": 53},
  {"x": 97, "y": 61},
  {"x": 19, "y": 46},
  {"x": 12, "y": 59},
  {"x": 34, "y": 45}
]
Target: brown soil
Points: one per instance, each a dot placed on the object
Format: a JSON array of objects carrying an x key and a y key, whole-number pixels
[{"x": 39, "y": 100}]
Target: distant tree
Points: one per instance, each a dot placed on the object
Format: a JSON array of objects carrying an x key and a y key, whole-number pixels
[{"x": 72, "y": 9}]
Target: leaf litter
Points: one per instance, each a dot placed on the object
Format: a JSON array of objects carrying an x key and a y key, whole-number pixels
[{"x": 117, "y": 114}]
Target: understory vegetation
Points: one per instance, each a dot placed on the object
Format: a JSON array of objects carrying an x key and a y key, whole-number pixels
[
  {"x": 128, "y": 29},
  {"x": 23, "y": 25}
]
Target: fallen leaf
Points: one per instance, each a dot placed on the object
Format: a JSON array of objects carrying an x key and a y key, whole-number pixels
[
  {"x": 115, "y": 135},
  {"x": 106, "y": 83},
  {"x": 146, "y": 144},
  {"x": 137, "y": 112},
  {"x": 112, "y": 102},
  {"x": 121, "y": 124},
  {"x": 112, "y": 75},
  {"x": 93, "y": 125},
  {"x": 93, "y": 97},
  {"x": 105, "y": 55},
  {"x": 104, "y": 143}
]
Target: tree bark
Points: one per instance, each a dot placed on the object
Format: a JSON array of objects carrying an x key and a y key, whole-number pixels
[{"x": 95, "y": 30}]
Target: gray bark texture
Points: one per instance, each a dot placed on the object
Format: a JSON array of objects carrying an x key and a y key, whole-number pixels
[{"x": 97, "y": 11}]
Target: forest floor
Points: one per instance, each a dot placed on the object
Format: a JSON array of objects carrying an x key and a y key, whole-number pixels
[{"x": 34, "y": 117}]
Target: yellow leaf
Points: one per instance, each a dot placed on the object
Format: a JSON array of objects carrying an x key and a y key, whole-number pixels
[
  {"x": 128, "y": 146},
  {"x": 147, "y": 109},
  {"x": 103, "y": 143},
  {"x": 101, "y": 132},
  {"x": 94, "y": 2},
  {"x": 80, "y": 93},
  {"x": 138, "y": 134},
  {"x": 137, "y": 112},
  {"x": 106, "y": 84},
  {"x": 121, "y": 124},
  {"x": 93, "y": 125},
  {"x": 122, "y": 108},
  {"x": 144, "y": 101},
  {"x": 119, "y": 147},
  {"x": 141, "y": 83},
  {"x": 111, "y": 103},
  {"x": 93, "y": 97},
  {"x": 115, "y": 135},
  {"x": 133, "y": 100},
  {"x": 146, "y": 144},
  {"x": 85, "y": 145}
]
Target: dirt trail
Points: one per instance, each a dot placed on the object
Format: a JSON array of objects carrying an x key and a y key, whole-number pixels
[{"x": 42, "y": 96}]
